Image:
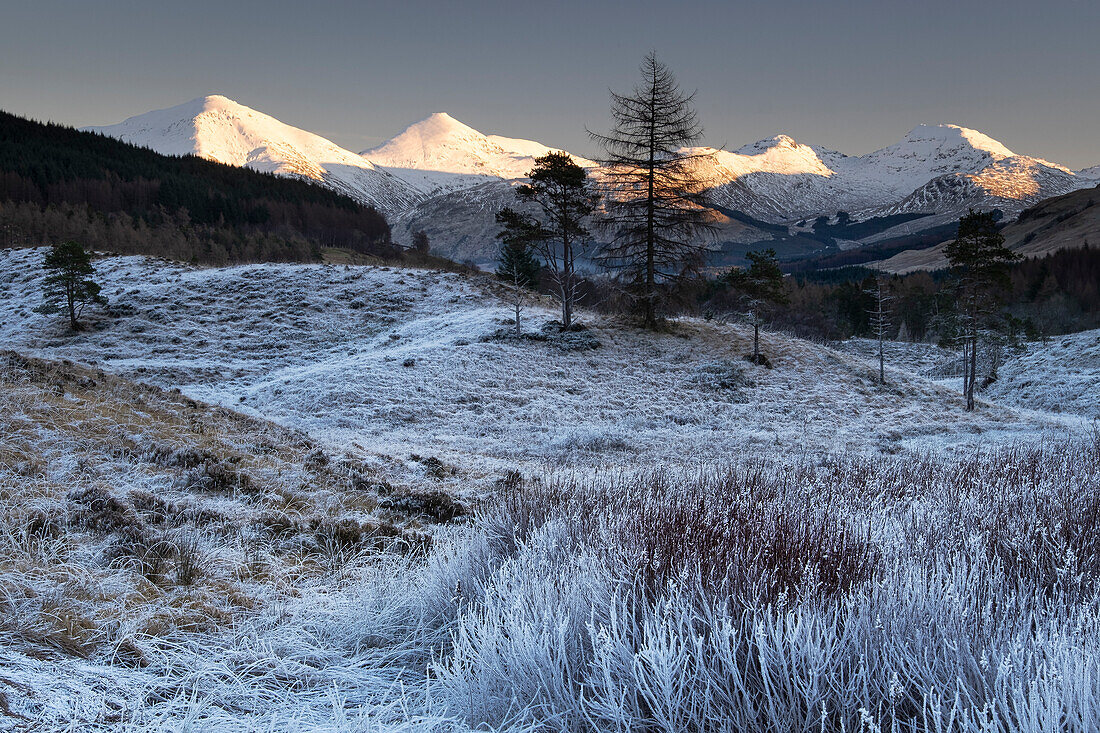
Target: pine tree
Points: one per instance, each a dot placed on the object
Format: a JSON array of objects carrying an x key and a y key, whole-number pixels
[
  {"x": 562, "y": 198},
  {"x": 420, "y": 242},
  {"x": 70, "y": 287},
  {"x": 760, "y": 287},
  {"x": 517, "y": 265},
  {"x": 980, "y": 265},
  {"x": 517, "y": 262},
  {"x": 655, "y": 199}
]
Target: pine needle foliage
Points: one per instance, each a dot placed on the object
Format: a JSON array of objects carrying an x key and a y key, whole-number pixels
[{"x": 69, "y": 287}]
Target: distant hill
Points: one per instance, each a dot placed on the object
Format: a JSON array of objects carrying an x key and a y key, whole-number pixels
[
  {"x": 1061, "y": 222},
  {"x": 60, "y": 183}
]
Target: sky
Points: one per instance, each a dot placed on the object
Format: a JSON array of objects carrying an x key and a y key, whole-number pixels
[{"x": 852, "y": 76}]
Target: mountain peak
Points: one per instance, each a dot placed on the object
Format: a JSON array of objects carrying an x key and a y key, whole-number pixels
[
  {"x": 781, "y": 141},
  {"x": 441, "y": 153},
  {"x": 434, "y": 131},
  {"x": 217, "y": 128},
  {"x": 955, "y": 136}
]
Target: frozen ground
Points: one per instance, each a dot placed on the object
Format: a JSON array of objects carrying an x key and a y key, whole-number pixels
[
  {"x": 393, "y": 362},
  {"x": 1061, "y": 375},
  {"x": 151, "y": 545},
  {"x": 168, "y": 565}
]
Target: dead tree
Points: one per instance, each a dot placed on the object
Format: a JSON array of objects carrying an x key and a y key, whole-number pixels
[{"x": 880, "y": 322}]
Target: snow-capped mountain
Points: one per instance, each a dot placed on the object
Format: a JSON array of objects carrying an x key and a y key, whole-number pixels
[
  {"x": 940, "y": 169},
  {"x": 1009, "y": 184},
  {"x": 219, "y": 129},
  {"x": 441, "y": 154},
  {"x": 448, "y": 179}
]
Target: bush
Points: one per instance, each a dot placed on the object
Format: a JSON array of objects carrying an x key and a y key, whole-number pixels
[{"x": 860, "y": 594}]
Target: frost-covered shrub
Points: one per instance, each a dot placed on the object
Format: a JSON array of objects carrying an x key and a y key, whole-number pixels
[
  {"x": 591, "y": 439},
  {"x": 723, "y": 375},
  {"x": 854, "y": 594}
]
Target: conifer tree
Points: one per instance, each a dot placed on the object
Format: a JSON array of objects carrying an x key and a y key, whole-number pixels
[
  {"x": 759, "y": 287},
  {"x": 980, "y": 265},
  {"x": 517, "y": 265},
  {"x": 420, "y": 242},
  {"x": 561, "y": 197},
  {"x": 70, "y": 287},
  {"x": 517, "y": 262},
  {"x": 654, "y": 195}
]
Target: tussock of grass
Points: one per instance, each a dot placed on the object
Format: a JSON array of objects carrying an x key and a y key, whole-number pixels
[{"x": 130, "y": 514}]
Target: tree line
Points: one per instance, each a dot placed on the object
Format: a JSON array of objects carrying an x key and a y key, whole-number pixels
[{"x": 55, "y": 181}]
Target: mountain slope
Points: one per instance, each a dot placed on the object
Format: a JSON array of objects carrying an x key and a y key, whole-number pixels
[
  {"x": 58, "y": 183},
  {"x": 440, "y": 154},
  {"x": 942, "y": 169},
  {"x": 219, "y": 129},
  {"x": 1061, "y": 222},
  {"x": 440, "y": 171}
]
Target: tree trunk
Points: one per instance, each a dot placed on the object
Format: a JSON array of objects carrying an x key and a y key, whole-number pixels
[
  {"x": 755, "y": 343},
  {"x": 567, "y": 280},
  {"x": 966, "y": 363},
  {"x": 651, "y": 245},
  {"x": 973, "y": 374},
  {"x": 71, "y": 298},
  {"x": 881, "y": 362}
]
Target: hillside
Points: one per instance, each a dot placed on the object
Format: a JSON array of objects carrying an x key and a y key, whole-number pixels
[
  {"x": 57, "y": 182},
  {"x": 441, "y": 176},
  {"x": 142, "y": 528},
  {"x": 404, "y": 362},
  {"x": 219, "y": 129},
  {"x": 1061, "y": 375},
  {"x": 242, "y": 504},
  {"x": 1061, "y": 222}
]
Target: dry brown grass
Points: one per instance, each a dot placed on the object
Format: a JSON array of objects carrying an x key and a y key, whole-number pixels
[{"x": 129, "y": 514}]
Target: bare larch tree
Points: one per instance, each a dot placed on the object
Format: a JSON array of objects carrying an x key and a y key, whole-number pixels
[{"x": 654, "y": 196}]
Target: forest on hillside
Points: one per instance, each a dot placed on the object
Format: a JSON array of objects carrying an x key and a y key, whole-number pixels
[
  {"x": 59, "y": 183},
  {"x": 1055, "y": 294}
]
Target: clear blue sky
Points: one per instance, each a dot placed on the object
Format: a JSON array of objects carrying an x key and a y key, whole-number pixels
[{"x": 848, "y": 75}]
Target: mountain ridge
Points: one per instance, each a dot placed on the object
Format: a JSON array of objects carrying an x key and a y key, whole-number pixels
[
  {"x": 440, "y": 154},
  {"x": 441, "y": 168},
  {"x": 219, "y": 129}
]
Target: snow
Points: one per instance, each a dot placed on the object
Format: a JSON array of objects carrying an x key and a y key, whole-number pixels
[
  {"x": 934, "y": 168},
  {"x": 219, "y": 129},
  {"x": 1091, "y": 174},
  {"x": 440, "y": 167},
  {"x": 442, "y": 154}
]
